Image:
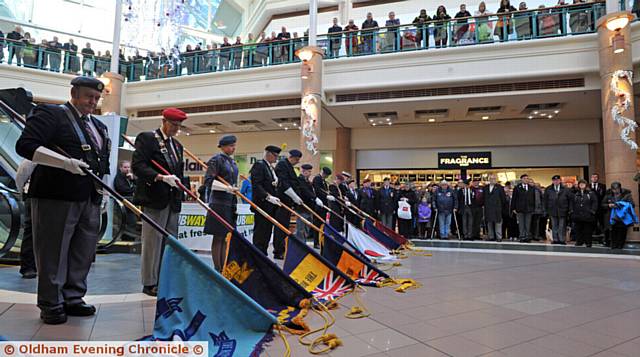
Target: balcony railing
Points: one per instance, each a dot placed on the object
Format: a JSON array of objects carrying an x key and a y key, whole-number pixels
[{"x": 496, "y": 28}]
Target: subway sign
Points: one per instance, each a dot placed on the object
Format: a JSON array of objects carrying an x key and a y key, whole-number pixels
[{"x": 464, "y": 160}]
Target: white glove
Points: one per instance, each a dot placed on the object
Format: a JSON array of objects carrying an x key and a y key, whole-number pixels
[
  {"x": 273, "y": 200},
  {"x": 331, "y": 198},
  {"x": 170, "y": 180},
  {"x": 24, "y": 173},
  {"x": 404, "y": 199},
  {"x": 48, "y": 157},
  {"x": 319, "y": 202},
  {"x": 293, "y": 195},
  {"x": 219, "y": 186},
  {"x": 347, "y": 203}
]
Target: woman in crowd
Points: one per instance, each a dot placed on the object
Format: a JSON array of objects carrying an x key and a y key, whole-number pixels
[
  {"x": 484, "y": 28},
  {"x": 583, "y": 206},
  {"x": 410, "y": 199},
  {"x": 187, "y": 58},
  {"x": 441, "y": 19},
  {"x": 522, "y": 20},
  {"x": 504, "y": 26},
  {"x": 580, "y": 17},
  {"x": 620, "y": 214},
  {"x": 29, "y": 53},
  {"x": 422, "y": 28}
]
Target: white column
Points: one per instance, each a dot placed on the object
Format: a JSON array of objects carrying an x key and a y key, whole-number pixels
[
  {"x": 313, "y": 22},
  {"x": 344, "y": 11},
  {"x": 115, "y": 49},
  {"x": 613, "y": 6}
]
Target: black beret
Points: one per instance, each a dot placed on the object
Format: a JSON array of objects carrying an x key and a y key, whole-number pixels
[
  {"x": 273, "y": 149},
  {"x": 556, "y": 177},
  {"x": 83, "y": 81},
  {"x": 326, "y": 170},
  {"x": 295, "y": 153},
  {"x": 227, "y": 140},
  {"x": 306, "y": 166}
]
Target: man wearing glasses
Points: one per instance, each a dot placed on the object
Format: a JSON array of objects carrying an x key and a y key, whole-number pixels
[{"x": 157, "y": 193}]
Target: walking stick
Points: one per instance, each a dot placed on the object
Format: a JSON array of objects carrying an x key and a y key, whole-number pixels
[
  {"x": 455, "y": 219},
  {"x": 435, "y": 221}
]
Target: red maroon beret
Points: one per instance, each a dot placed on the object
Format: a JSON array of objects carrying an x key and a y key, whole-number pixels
[{"x": 174, "y": 114}]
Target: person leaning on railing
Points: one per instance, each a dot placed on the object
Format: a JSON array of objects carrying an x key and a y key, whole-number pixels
[
  {"x": 351, "y": 38},
  {"x": 54, "y": 51},
  {"x": 262, "y": 51},
  {"x": 335, "y": 40},
  {"x": 440, "y": 33},
  {"x": 15, "y": 46},
  {"x": 580, "y": 16},
  {"x": 368, "y": 36},
  {"x": 249, "y": 51},
  {"x": 1, "y": 46},
  {"x": 29, "y": 53},
  {"x": 237, "y": 53},
  {"x": 461, "y": 34},
  {"x": 483, "y": 27},
  {"x": 523, "y": 23},
  {"x": 391, "y": 38},
  {"x": 504, "y": 26},
  {"x": 88, "y": 61},
  {"x": 422, "y": 30}
]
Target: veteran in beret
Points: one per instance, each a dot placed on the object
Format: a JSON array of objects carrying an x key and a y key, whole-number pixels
[
  {"x": 264, "y": 182},
  {"x": 221, "y": 197},
  {"x": 65, "y": 141},
  {"x": 157, "y": 192}
]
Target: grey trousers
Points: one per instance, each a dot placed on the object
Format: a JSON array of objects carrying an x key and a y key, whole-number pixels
[
  {"x": 558, "y": 228},
  {"x": 303, "y": 232},
  {"x": 467, "y": 223},
  {"x": 65, "y": 235},
  {"x": 524, "y": 225},
  {"x": 153, "y": 242},
  {"x": 494, "y": 229},
  {"x": 387, "y": 219}
]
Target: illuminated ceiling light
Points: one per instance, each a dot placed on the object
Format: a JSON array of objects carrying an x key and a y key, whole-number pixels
[
  {"x": 485, "y": 117},
  {"x": 374, "y": 124},
  {"x": 617, "y": 43},
  {"x": 305, "y": 54},
  {"x": 212, "y": 131},
  {"x": 286, "y": 128},
  {"x": 389, "y": 123},
  {"x": 618, "y": 22},
  {"x": 388, "y": 119},
  {"x": 530, "y": 116},
  {"x": 188, "y": 134},
  {"x": 280, "y": 125},
  {"x": 295, "y": 124},
  {"x": 431, "y": 120},
  {"x": 550, "y": 116},
  {"x": 535, "y": 112}
]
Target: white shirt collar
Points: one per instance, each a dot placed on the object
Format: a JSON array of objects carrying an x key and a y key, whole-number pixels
[{"x": 76, "y": 109}]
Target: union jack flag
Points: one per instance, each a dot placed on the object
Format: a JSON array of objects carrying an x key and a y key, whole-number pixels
[
  {"x": 331, "y": 288},
  {"x": 369, "y": 277}
]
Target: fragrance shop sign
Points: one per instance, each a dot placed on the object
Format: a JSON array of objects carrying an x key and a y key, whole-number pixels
[{"x": 464, "y": 160}]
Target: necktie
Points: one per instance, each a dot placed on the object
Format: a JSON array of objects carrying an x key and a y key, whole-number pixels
[
  {"x": 526, "y": 188},
  {"x": 92, "y": 135},
  {"x": 172, "y": 153}
]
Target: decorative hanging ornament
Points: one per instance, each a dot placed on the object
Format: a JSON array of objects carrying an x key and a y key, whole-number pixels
[
  {"x": 622, "y": 103},
  {"x": 309, "y": 122}
]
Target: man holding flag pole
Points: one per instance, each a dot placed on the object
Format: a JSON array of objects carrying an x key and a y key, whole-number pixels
[
  {"x": 264, "y": 182},
  {"x": 288, "y": 193}
]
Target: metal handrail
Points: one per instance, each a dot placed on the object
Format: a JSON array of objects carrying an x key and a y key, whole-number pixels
[{"x": 15, "y": 221}]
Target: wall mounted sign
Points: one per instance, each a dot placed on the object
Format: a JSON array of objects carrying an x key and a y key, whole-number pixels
[{"x": 464, "y": 160}]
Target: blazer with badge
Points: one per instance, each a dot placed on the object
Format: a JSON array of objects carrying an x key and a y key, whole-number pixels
[
  {"x": 49, "y": 126},
  {"x": 386, "y": 200},
  {"x": 224, "y": 166},
  {"x": 263, "y": 183},
  {"x": 307, "y": 194},
  {"x": 150, "y": 193},
  {"x": 321, "y": 188},
  {"x": 286, "y": 179},
  {"x": 367, "y": 200}
]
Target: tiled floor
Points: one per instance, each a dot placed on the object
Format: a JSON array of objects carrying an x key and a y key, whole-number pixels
[{"x": 471, "y": 304}]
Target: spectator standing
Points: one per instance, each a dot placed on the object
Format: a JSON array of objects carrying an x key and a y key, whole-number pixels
[
  {"x": 422, "y": 28},
  {"x": 558, "y": 12},
  {"x": 599, "y": 189},
  {"x": 579, "y": 17},
  {"x": 88, "y": 61},
  {"x": 250, "y": 51},
  {"x": 510, "y": 225},
  {"x": 283, "y": 37},
  {"x": 335, "y": 39},
  {"x": 1, "y": 46},
  {"x": 368, "y": 40},
  {"x": 351, "y": 38},
  {"x": 367, "y": 198},
  {"x": 556, "y": 204},
  {"x": 523, "y": 22},
  {"x": 42, "y": 53},
  {"x": 461, "y": 30},
  {"x": 262, "y": 51},
  {"x": 618, "y": 200},
  {"x": 225, "y": 54},
  {"x": 71, "y": 62},
  {"x": 504, "y": 26},
  {"x": 440, "y": 34},
  {"x": 15, "y": 45},
  {"x": 246, "y": 190},
  {"x": 538, "y": 213},
  {"x": 212, "y": 57},
  {"x": 28, "y": 268},
  {"x": 424, "y": 217},
  {"x": 237, "y": 53},
  {"x": 523, "y": 202},
  {"x": 386, "y": 203},
  {"x": 547, "y": 22},
  {"x": 446, "y": 204},
  {"x": 188, "y": 59},
  {"x": 495, "y": 206},
  {"x": 29, "y": 54},
  {"x": 138, "y": 65},
  {"x": 484, "y": 26},
  {"x": 125, "y": 184},
  {"x": 584, "y": 206},
  {"x": 55, "y": 49},
  {"x": 407, "y": 204},
  {"x": 392, "y": 40}
]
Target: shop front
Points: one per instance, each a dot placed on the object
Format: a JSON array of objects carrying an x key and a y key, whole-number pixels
[{"x": 424, "y": 166}]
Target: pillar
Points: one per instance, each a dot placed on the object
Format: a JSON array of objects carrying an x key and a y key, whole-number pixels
[
  {"x": 112, "y": 94},
  {"x": 619, "y": 158},
  {"x": 311, "y": 104},
  {"x": 342, "y": 155}
]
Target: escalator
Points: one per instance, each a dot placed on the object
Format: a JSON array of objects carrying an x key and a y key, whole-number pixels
[{"x": 14, "y": 105}]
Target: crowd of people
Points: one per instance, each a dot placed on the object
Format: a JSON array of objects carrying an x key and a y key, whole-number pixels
[{"x": 441, "y": 29}]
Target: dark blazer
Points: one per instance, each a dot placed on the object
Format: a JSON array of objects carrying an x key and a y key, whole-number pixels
[
  {"x": 320, "y": 187},
  {"x": 149, "y": 192},
  {"x": 584, "y": 205},
  {"x": 224, "y": 166},
  {"x": 523, "y": 201},
  {"x": 600, "y": 191},
  {"x": 123, "y": 185},
  {"x": 287, "y": 178},
  {"x": 262, "y": 182},
  {"x": 307, "y": 194},
  {"x": 386, "y": 200},
  {"x": 495, "y": 203},
  {"x": 49, "y": 126},
  {"x": 367, "y": 200},
  {"x": 557, "y": 204}
]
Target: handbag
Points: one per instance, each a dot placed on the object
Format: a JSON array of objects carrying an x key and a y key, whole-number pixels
[{"x": 404, "y": 210}]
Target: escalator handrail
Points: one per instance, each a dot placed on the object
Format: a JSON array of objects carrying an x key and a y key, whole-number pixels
[
  {"x": 15, "y": 116},
  {"x": 122, "y": 211},
  {"x": 14, "y": 229}
]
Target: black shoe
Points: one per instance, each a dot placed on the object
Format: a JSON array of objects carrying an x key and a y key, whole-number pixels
[
  {"x": 588, "y": 245},
  {"x": 150, "y": 290},
  {"x": 278, "y": 257},
  {"x": 29, "y": 274},
  {"x": 79, "y": 309},
  {"x": 562, "y": 243},
  {"x": 55, "y": 316}
]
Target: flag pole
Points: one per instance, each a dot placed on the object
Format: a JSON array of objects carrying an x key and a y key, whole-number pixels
[
  {"x": 366, "y": 215},
  {"x": 345, "y": 205}
]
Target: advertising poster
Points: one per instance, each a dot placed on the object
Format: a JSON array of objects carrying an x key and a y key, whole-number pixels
[{"x": 191, "y": 226}]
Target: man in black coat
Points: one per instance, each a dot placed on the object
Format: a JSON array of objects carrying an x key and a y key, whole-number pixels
[
  {"x": 310, "y": 199},
  {"x": 600, "y": 189},
  {"x": 71, "y": 63},
  {"x": 321, "y": 189},
  {"x": 65, "y": 202},
  {"x": 54, "y": 50},
  {"x": 353, "y": 197},
  {"x": 289, "y": 194},
  {"x": 367, "y": 198},
  {"x": 337, "y": 193},
  {"x": 157, "y": 192},
  {"x": 221, "y": 197},
  {"x": 263, "y": 183},
  {"x": 495, "y": 206},
  {"x": 1, "y": 46},
  {"x": 523, "y": 204},
  {"x": 335, "y": 41},
  {"x": 14, "y": 42},
  {"x": 386, "y": 203},
  {"x": 125, "y": 183},
  {"x": 557, "y": 199},
  {"x": 368, "y": 36}
]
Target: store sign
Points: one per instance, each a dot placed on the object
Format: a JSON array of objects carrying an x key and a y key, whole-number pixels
[
  {"x": 464, "y": 160},
  {"x": 191, "y": 226}
]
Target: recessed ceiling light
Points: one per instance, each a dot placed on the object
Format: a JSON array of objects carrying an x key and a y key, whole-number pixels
[
  {"x": 295, "y": 124},
  {"x": 535, "y": 112},
  {"x": 374, "y": 124},
  {"x": 285, "y": 128},
  {"x": 280, "y": 125},
  {"x": 212, "y": 131},
  {"x": 389, "y": 123},
  {"x": 485, "y": 117},
  {"x": 530, "y": 117},
  {"x": 556, "y": 111},
  {"x": 431, "y": 120},
  {"x": 388, "y": 119},
  {"x": 371, "y": 120},
  {"x": 188, "y": 134},
  {"x": 550, "y": 116}
]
